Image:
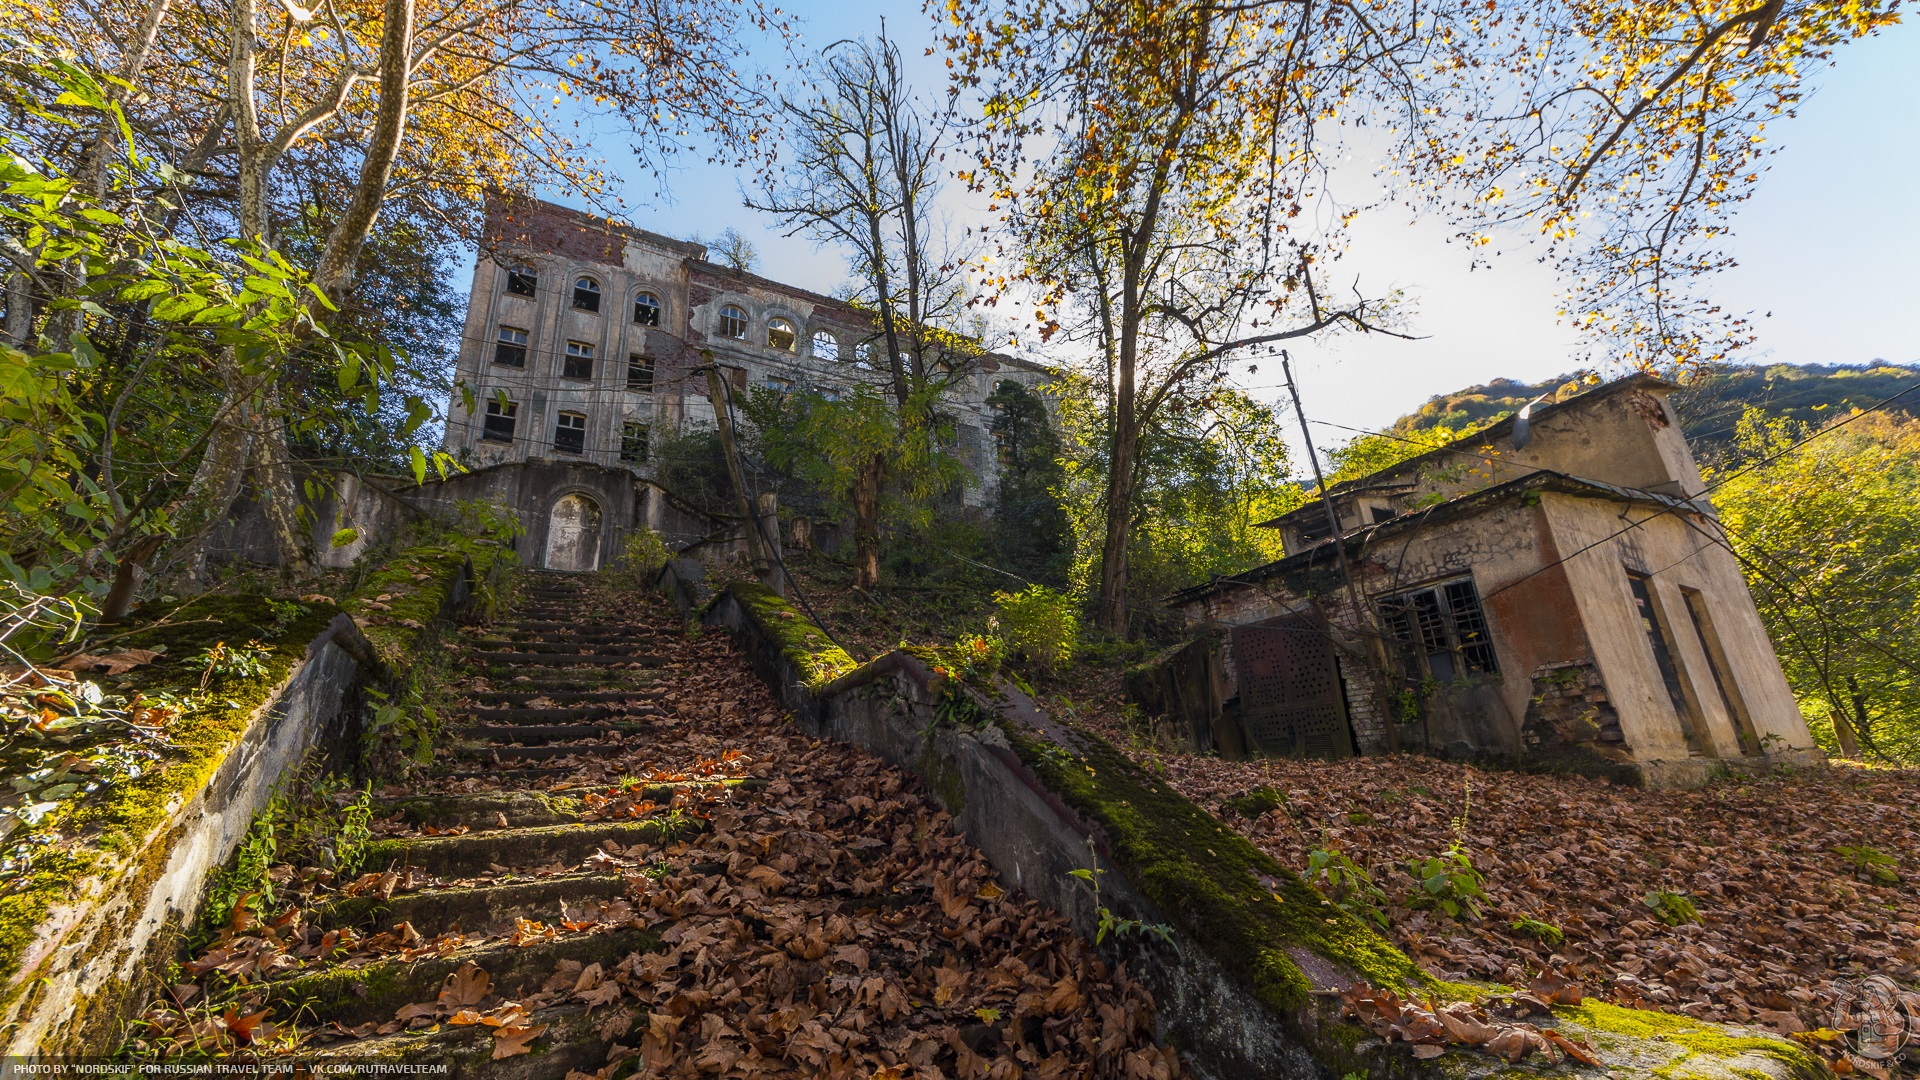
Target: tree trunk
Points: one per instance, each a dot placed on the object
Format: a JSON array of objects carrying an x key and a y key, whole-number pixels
[
  {"x": 1112, "y": 615},
  {"x": 1843, "y": 730},
  {"x": 866, "y": 522},
  {"x": 279, "y": 494}
]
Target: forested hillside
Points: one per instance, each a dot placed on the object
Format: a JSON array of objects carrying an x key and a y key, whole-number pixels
[{"x": 1710, "y": 404}]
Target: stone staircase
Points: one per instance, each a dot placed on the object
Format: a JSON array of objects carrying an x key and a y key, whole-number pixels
[{"x": 622, "y": 852}]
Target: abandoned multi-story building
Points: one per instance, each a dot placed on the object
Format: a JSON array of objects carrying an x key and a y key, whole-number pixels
[
  {"x": 1553, "y": 591},
  {"x": 585, "y": 343}
]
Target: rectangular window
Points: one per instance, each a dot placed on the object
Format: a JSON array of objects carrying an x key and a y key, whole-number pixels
[
  {"x": 510, "y": 348},
  {"x": 782, "y": 387},
  {"x": 1440, "y": 632},
  {"x": 579, "y": 361},
  {"x": 633, "y": 441},
  {"x": 640, "y": 373},
  {"x": 498, "y": 426},
  {"x": 570, "y": 433},
  {"x": 522, "y": 280}
]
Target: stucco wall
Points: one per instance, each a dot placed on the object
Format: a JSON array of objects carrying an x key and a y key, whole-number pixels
[{"x": 1680, "y": 554}]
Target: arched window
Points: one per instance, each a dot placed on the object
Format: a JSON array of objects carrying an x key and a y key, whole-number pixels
[
  {"x": 522, "y": 279},
  {"x": 733, "y": 322},
  {"x": 586, "y": 294},
  {"x": 781, "y": 335},
  {"x": 646, "y": 309},
  {"x": 825, "y": 345},
  {"x": 863, "y": 354}
]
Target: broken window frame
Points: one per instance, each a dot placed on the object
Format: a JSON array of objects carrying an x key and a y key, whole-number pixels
[
  {"x": 782, "y": 335},
  {"x": 570, "y": 432},
  {"x": 510, "y": 347},
  {"x": 586, "y": 294},
  {"x": 646, "y": 309},
  {"x": 522, "y": 280},
  {"x": 578, "y": 363},
  {"x": 639, "y": 373},
  {"x": 634, "y": 440},
  {"x": 1439, "y": 631},
  {"x": 825, "y": 346},
  {"x": 498, "y": 423}
]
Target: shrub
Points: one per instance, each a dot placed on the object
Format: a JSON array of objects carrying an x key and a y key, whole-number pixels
[
  {"x": 641, "y": 559},
  {"x": 1449, "y": 882},
  {"x": 1039, "y": 624},
  {"x": 1347, "y": 885}
]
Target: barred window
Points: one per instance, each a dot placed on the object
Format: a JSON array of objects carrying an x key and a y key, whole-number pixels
[
  {"x": 640, "y": 373},
  {"x": 586, "y": 294},
  {"x": 498, "y": 426},
  {"x": 646, "y": 309},
  {"x": 633, "y": 441},
  {"x": 522, "y": 280},
  {"x": 570, "y": 433},
  {"x": 579, "y": 362},
  {"x": 510, "y": 348},
  {"x": 1440, "y": 631},
  {"x": 733, "y": 322}
]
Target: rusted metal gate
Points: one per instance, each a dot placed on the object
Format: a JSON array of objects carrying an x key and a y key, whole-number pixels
[{"x": 1291, "y": 701}]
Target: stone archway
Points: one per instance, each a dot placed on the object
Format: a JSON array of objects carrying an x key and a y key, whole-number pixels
[{"x": 573, "y": 534}]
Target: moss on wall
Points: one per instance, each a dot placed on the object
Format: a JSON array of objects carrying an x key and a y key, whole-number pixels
[{"x": 801, "y": 643}]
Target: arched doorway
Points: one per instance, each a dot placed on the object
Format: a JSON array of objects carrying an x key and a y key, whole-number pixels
[{"x": 573, "y": 534}]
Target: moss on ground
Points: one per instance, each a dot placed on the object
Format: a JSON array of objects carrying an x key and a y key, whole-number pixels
[{"x": 1695, "y": 1037}]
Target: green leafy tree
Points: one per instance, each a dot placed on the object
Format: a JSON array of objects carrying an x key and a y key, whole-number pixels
[
  {"x": 1829, "y": 535},
  {"x": 1031, "y": 534}
]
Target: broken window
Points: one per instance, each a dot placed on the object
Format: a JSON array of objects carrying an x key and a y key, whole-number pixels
[
  {"x": 510, "y": 348},
  {"x": 579, "y": 362},
  {"x": 825, "y": 345},
  {"x": 863, "y": 354},
  {"x": 1439, "y": 632},
  {"x": 570, "y": 433},
  {"x": 498, "y": 426},
  {"x": 633, "y": 441},
  {"x": 586, "y": 294},
  {"x": 781, "y": 335},
  {"x": 733, "y": 322},
  {"x": 646, "y": 309},
  {"x": 640, "y": 373},
  {"x": 522, "y": 280}
]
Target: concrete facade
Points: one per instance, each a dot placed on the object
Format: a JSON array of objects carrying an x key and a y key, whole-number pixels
[
  {"x": 1569, "y": 602},
  {"x": 594, "y": 333}
]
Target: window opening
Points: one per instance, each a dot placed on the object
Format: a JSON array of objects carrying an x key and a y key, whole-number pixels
[
  {"x": 733, "y": 322},
  {"x": 781, "y": 335},
  {"x": 640, "y": 373},
  {"x": 1722, "y": 673},
  {"x": 579, "y": 361},
  {"x": 522, "y": 280},
  {"x": 586, "y": 294},
  {"x": 510, "y": 348},
  {"x": 633, "y": 441},
  {"x": 570, "y": 433},
  {"x": 863, "y": 354},
  {"x": 1440, "y": 632},
  {"x": 1658, "y": 639},
  {"x": 498, "y": 425},
  {"x": 825, "y": 345},
  {"x": 646, "y": 309}
]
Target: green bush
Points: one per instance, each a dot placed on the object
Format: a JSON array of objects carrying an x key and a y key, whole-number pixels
[
  {"x": 1039, "y": 624},
  {"x": 641, "y": 559}
]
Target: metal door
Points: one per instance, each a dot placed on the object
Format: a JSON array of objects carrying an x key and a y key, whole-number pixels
[
  {"x": 573, "y": 534},
  {"x": 1291, "y": 700}
]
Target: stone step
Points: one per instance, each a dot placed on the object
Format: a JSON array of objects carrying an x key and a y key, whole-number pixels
[
  {"x": 529, "y": 734},
  {"x": 569, "y": 1044},
  {"x": 375, "y": 991},
  {"x": 566, "y": 660},
  {"x": 521, "y": 697},
  {"x": 520, "y": 849},
  {"x": 541, "y": 752},
  {"x": 596, "y": 712},
  {"x": 617, "y": 647},
  {"x": 488, "y": 909},
  {"x": 480, "y": 811}
]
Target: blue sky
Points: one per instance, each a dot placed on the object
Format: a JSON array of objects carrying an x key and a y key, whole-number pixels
[{"x": 1827, "y": 248}]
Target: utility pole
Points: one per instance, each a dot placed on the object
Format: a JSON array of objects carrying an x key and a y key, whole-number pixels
[{"x": 1361, "y": 613}]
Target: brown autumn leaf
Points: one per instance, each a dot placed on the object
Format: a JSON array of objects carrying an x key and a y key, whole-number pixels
[
  {"x": 467, "y": 986},
  {"x": 512, "y": 1041}
]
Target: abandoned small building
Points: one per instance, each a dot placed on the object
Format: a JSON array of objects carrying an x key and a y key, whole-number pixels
[
  {"x": 584, "y": 345},
  {"x": 1553, "y": 592}
]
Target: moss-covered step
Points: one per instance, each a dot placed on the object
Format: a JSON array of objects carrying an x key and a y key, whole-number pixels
[
  {"x": 1637, "y": 1042},
  {"x": 489, "y": 908},
  {"x": 569, "y": 1043},
  {"x": 481, "y": 810},
  {"x": 520, "y": 849},
  {"x": 375, "y": 991}
]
